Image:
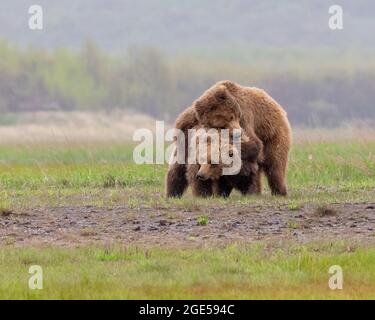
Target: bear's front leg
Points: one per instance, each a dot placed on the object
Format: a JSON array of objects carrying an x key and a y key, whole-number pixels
[
  {"x": 202, "y": 188},
  {"x": 223, "y": 187},
  {"x": 199, "y": 188}
]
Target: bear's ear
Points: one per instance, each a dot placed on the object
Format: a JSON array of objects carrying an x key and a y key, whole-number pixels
[
  {"x": 230, "y": 85},
  {"x": 221, "y": 93}
]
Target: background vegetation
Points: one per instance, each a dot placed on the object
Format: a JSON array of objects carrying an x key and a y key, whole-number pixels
[
  {"x": 157, "y": 56},
  {"x": 149, "y": 81}
]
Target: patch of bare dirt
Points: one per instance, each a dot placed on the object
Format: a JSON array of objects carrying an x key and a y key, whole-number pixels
[{"x": 70, "y": 226}]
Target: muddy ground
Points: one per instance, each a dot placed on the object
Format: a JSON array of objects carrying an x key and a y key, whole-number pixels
[{"x": 70, "y": 226}]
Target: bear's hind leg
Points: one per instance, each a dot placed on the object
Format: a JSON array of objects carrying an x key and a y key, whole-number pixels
[
  {"x": 176, "y": 181},
  {"x": 275, "y": 165},
  {"x": 256, "y": 183},
  {"x": 276, "y": 179}
]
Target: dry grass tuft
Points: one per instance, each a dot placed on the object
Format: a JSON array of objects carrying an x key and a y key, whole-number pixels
[
  {"x": 354, "y": 132},
  {"x": 87, "y": 232},
  {"x": 325, "y": 211},
  {"x": 5, "y": 212},
  {"x": 73, "y": 127}
]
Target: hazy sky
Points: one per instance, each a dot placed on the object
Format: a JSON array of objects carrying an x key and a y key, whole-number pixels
[{"x": 177, "y": 24}]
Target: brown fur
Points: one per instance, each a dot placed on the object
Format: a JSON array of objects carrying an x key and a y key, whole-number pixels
[
  {"x": 244, "y": 182},
  {"x": 229, "y": 105},
  {"x": 207, "y": 179}
]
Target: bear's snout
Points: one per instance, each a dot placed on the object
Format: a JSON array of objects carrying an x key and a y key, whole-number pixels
[{"x": 201, "y": 176}]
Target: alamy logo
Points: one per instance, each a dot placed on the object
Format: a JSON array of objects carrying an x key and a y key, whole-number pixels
[
  {"x": 36, "y": 17},
  {"x": 336, "y": 281},
  {"x": 36, "y": 280},
  {"x": 336, "y": 20}
]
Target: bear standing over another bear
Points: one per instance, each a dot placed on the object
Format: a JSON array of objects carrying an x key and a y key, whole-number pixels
[{"x": 262, "y": 119}]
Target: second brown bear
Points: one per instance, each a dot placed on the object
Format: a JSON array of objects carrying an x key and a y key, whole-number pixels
[{"x": 206, "y": 177}]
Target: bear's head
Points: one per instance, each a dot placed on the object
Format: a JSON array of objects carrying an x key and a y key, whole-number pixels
[
  {"x": 210, "y": 159},
  {"x": 214, "y": 171},
  {"x": 218, "y": 155},
  {"x": 217, "y": 108}
]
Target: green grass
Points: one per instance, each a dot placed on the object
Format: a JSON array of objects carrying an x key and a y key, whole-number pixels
[
  {"x": 66, "y": 154},
  {"x": 202, "y": 220},
  {"x": 333, "y": 172},
  {"x": 104, "y": 175},
  {"x": 237, "y": 271}
]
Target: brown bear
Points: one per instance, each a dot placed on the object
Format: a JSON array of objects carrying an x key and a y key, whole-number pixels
[
  {"x": 206, "y": 177},
  {"x": 264, "y": 121}
]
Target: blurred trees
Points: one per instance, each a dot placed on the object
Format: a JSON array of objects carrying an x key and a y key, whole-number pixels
[
  {"x": 316, "y": 88},
  {"x": 147, "y": 82}
]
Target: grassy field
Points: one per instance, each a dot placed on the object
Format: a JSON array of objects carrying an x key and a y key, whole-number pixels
[
  {"x": 33, "y": 175},
  {"x": 103, "y": 175},
  {"x": 281, "y": 271}
]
